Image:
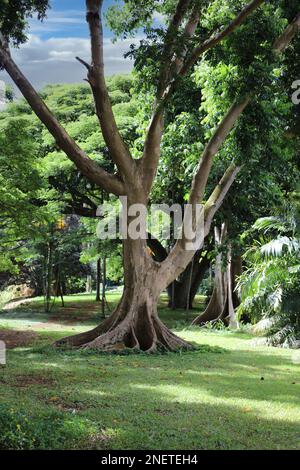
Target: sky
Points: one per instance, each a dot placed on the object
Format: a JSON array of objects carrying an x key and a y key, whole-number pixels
[{"x": 49, "y": 54}]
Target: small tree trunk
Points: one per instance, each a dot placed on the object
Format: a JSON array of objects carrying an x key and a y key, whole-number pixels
[
  {"x": 98, "y": 280},
  {"x": 88, "y": 286},
  {"x": 135, "y": 323},
  {"x": 182, "y": 292},
  {"x": 63, "y": 285},
  {"x": 103, "y": 287},
  {"x": 49, "y": 276},
  {"x": 58, "y": 284},
  {"x": 221, "y": 305},
  {"x": 61, "y": 295}
]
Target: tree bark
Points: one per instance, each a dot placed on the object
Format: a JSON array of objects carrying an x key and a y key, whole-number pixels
[
  {"x": 224, "y": 299},
  {"x": 180, "y": 289},
  {"x": 135, "y": 323},
  {"x": 98, "y": 280},
  {"x": 103, "y": 300},
  {"x": 181, "y": 292},
  {"x": 88, "y": 285},
  {"x": 49, "y": 268}
]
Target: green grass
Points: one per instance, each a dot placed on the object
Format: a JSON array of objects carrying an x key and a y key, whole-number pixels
[{"x": 213, "y": 398}]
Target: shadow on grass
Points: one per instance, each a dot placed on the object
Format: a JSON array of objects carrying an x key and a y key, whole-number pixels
[
  {"x": 195, "y": 400},
  {"x": 90, "y": 313},
  {"x": 192, "y": 400}
]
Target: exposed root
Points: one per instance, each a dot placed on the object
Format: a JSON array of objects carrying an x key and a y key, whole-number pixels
[
  {"x": 139, "y": 329},
  {"x": 125, "y": 336},
  {"x": 88, "y": 336}
]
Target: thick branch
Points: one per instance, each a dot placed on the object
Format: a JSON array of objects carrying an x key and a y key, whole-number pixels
[
  {"x": 168, "y": 50},
  {"x": 189, "y": 31},
  {"x": 90, "y": 169},
  {"x": 218, "y": 195},
  {"x": 151, "y": 154},
  {"x": 178, "y": 17},
  {"x": 212, "y": 148},
  {"x": 217, "y": 38},
  {"x": 115, "y": 143},
  {"x": 179, "y": 257},
  {"x": 153, "y": 141},
  {"x": 288, "y": 35}
]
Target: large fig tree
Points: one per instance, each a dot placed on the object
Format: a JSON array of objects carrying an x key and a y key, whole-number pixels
[{"x": 135, "y": 322}]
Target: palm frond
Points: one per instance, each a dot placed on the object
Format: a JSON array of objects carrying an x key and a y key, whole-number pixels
[
  {"x": 280, "y": 246},
  {"x": 266, "y": 224}
]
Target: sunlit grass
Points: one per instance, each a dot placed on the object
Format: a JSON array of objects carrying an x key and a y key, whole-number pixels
[{"x": 227, "y": 395}]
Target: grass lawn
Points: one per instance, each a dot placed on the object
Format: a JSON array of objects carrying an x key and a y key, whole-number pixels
[{"x": 227, "y": 395}]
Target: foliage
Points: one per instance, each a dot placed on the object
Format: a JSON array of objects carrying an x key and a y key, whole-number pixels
[
  {"x": 270, "y": 284},
  {"x": 242, "y": 63},
  {"x": 14, "y": 15},
  {"x": 39, "y": 185},
  {"x": 24, "y": 209}
]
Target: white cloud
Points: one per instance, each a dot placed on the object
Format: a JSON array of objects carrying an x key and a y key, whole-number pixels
[
  {"x": 49, "y": 54},
  {"x": 57, "y": 21},
  {"x": 52, "y": 60}
]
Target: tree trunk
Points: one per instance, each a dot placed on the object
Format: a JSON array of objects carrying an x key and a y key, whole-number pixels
[
  {"x": 49, "y": 269},
  {"x": 59, "y": 293},
  {"x": 98, "y": 280},
  {"x": 224, "y": 300},
  {"x": 237, "y": 270},
  {"x": 135, "y": 323},
  {"x": 103, "y": 288},
  {"x": 182, "y": 292},
  {"x": 58, "y": 284},
  {"x": 88, "y": 285},
  {"x": 185, "y": 286}
]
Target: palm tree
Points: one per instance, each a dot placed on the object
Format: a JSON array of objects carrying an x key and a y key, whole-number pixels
[{"x": 270, "y": 285}]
